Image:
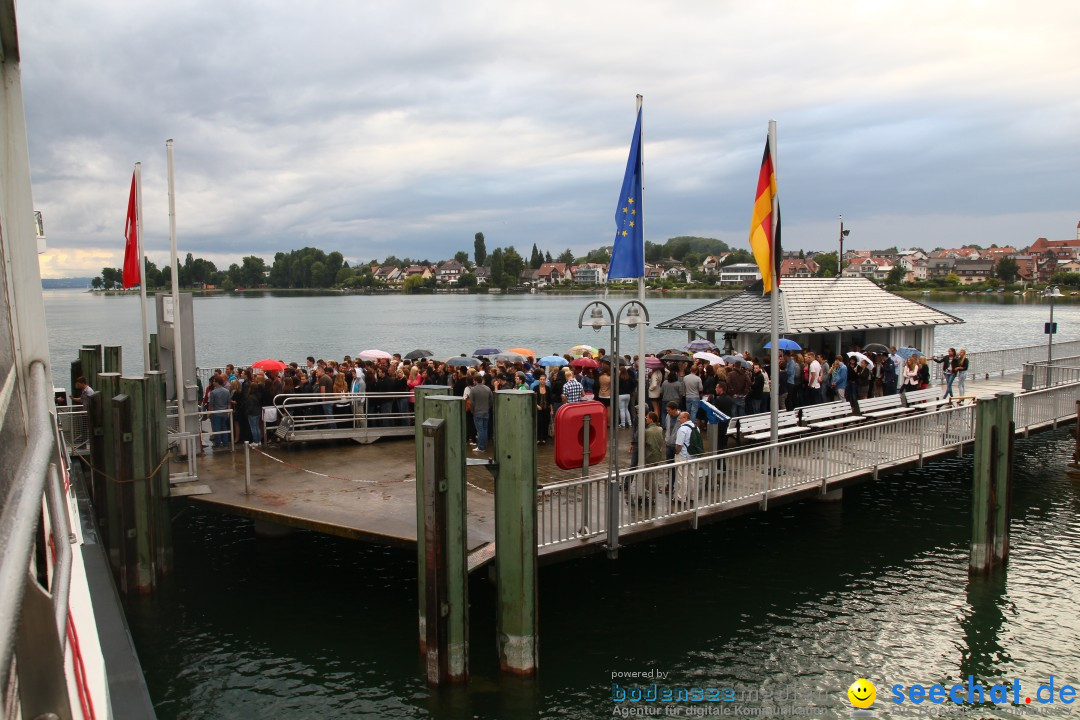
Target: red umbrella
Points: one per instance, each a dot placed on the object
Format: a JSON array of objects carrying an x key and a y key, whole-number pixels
[
  {"x": 269, "y": 365},
  {"x": 585, "y": 362}
]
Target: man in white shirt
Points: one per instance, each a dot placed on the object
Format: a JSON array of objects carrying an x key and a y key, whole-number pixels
[
  {"x": 815, "y": 379},
  {"x": 682, "y": 457}
]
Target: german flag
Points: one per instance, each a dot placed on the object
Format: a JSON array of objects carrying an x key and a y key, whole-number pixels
[{"x": 765, "y": 247}]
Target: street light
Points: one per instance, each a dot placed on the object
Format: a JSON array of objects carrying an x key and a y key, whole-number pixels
[
  {"x": 1052, "y": 291},
  {"x": 598, "y": 319},
  {"x": 840, "y": 258}
]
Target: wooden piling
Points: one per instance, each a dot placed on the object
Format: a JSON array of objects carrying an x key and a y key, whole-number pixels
[
  {"x": 90, "y": 364},
  {"x": 105, "y": 493},
  {"x": 138, "y": 490},
  {"x": 517, "y": 620},
  {"x": 445, "y": 526},
  {"x": 419, "y": 408},
  {"x": 991, "y": 483},
  {"x": 127, "y": 547},
  {"x": 155, "y": 353},
  {"x": 158, "y": 447},
  {"x": 113, "y": 363}
]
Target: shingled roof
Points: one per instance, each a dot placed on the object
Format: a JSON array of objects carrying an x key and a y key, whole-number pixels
[{"x": 812, "y": 305}]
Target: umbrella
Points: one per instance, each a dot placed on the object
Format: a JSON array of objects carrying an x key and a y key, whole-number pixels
[
  {"x": 906, "y": 352},
  {"x": 875, "y": 348},
  {"x": 862, "y": 357},
  {"x": 676, "y": 357},
  {"x": 652, "y": 362},
  {"x": 462, "y": 362},
  {"x": 710, "y": 358},
  {"x": 510, "y": 357},
  {"x": 732, "y": 358},
  {"x": 375, "y": 355},
  {"x": 607, "y": 360},
  {"x": 269, "y": 365},
  {"x": 552, "y": 361},
  {"x": 487, "y": 351},
  {"x": 417, "y": 354},
  {"x": 784, "y": 344},
  {"x": 580, "y": 350},
  {"x": 700, "y": 346},
  {"x": 585, "y": 362},
  {"x": 523, "y": 351}
]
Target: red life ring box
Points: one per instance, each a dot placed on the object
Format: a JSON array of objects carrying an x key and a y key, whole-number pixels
[{"x": 570, "y": 434}]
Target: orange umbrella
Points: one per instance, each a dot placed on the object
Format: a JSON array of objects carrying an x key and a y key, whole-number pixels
[{"x": 523, "y": 351}]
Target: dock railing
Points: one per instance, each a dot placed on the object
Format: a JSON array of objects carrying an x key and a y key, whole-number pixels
[
  {"x": 575, "y": 511},
  {"x": 1038, "y": 375},
  {"x": 360, "y": 416},
  {"x": 999, "y": 362}
]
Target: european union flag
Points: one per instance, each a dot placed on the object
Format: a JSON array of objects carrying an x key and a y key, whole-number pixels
[{"x": 628, "y": 252}]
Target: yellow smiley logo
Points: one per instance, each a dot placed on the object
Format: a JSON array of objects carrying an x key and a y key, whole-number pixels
[{"x": 862, "y": 693}]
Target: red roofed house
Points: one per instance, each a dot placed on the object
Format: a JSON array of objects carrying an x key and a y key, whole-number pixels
[{"x": 798, "y": 267}]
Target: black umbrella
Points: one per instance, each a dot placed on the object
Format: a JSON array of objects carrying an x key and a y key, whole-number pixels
[
  {"x": 676, "y": 357},
  {"x": 875, "y": 348},
  {"x": 607, "y": 359},
  {"x": 462, "y": 362},
  {"x": 417, "y": 354}
]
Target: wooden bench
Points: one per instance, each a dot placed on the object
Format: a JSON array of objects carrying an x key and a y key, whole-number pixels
[
  {"x": 928, "y": 399},
  {"x": 828, "y": 416},
  {"x": 758, "y": 428},
  {"x": 886, "y": 406}
]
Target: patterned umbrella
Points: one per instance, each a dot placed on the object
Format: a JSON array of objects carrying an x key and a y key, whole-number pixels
[
  {"x": 580, "y": 350},
  {"x": 700, "y": 346}
]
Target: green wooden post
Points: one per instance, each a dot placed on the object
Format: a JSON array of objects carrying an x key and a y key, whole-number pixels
[
  {"x": 142, "y": 575},
  {"x": 1006, "y": 434},
  {"x": 447, "y": 575},
  {"x": 113, "y": 355},
  {"x": 90, "y": 360},
  {"x": 127, "y": 547},
  {"x": 422, "y": 392},
  {"x": 155, "y": 353},
  {"x": 982, "y": 516},
  {"x": 158, "y": 442},
  {"x": 109, "y": 510},
  {"x": 515, "y": 531}
]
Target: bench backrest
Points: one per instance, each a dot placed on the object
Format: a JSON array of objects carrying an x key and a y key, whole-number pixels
[
  {"x": 825, "y": 411},
  {"x": 920, "y": 396},
  {"x": 761, "y": 421},
  {"x": 880, "y": 403}
]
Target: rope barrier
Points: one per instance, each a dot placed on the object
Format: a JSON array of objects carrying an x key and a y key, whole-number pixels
[{"x": 107, "y": 476}]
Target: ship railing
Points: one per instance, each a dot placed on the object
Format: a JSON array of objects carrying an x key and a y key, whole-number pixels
[
  {"x": 998, "y": 362},
  {"x": 75, "y": 427},
  {"x": 1041, "y": 374},
  {"x": 305, "y": 416},
  {"x": 34, "y": 587},
  {"x": 575, "y": 511}
]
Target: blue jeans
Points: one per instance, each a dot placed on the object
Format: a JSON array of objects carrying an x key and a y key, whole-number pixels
[
  {"x": 692, "y": 407},
  {"x": 738, "y": 406},
  {"x": 219, "y": 423},
  {"x": 483, "y": 426},
  {"x": 253, "y": 423},
  {"x": 948, "y": 385}
]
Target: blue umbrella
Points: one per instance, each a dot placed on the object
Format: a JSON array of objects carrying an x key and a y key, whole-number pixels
[
  {"x": 552, "y": 361},
  {"x": 784, "y": 344},
  {"x": 487, "y": 351},
  {"x": 906, "y": 352},
  {"x": 732, "y": 358}
]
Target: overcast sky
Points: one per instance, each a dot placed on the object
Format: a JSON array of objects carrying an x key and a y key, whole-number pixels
[{"x": 378, "y": 128}]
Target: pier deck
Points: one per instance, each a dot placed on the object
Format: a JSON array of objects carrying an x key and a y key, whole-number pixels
[{"x": 367, "y": 492}]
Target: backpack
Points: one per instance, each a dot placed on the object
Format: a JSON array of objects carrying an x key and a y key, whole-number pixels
[{"x": 696, "y": 446}]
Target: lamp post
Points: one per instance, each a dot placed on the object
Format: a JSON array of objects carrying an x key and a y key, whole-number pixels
[
  {"x": 1052, "y": 291},
  {"x": 840, "y": 258},
  {"x": 599, "y": 319}
]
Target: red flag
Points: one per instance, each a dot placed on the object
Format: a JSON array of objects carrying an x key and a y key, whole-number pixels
[{"x": 132, "y": 272}]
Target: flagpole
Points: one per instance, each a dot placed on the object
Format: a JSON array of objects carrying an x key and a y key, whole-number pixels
[
  {"x": 642, "y": 376},
  {"x": 142, "y": 267},
  {"x": 774, "y": 308},
  {"x": 174, "y": 272}
]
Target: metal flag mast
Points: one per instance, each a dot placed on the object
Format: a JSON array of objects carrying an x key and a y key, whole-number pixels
[
  {"x": 142, "y": 267},
  {"x": 774, "y": 310},
  {"x": 174, "y": 265},
  {"x": 642, "y": 376}
]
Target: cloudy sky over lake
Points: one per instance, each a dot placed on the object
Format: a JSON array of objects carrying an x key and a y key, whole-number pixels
[{"x": 379, "y": 128}]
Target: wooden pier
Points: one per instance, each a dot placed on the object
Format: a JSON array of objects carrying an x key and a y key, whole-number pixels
[{"x": 368, "y": 492}]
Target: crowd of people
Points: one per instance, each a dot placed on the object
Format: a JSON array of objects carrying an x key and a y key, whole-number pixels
[{"x": 741, "y": 386}]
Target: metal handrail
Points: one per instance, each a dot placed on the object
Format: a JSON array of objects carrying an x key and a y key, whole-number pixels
[
  {"x": 36, "y": 472},
  {"x": 999, "y": 362}
]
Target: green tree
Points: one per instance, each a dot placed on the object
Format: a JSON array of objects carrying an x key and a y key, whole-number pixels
[
  {"x": 535, "y": 259},
  {"x": 896, "y": 275},
  {"x": 414, "y": 284},
  {"x": 111, "y": 277},
  {"x": 513, "y": 265},
  {"x": 566, "y": 256},
  {"x": 1007, "y": 270},
  {"x": 547, "y": 257},
  {"x": 152, "y": 274},
  {"x": 738, "y": 256},
  {"x": 96, "y": 283},
  {"x": 692, "y": 260},
  {"x": 479, "y": 249},
  {"x": 462, "y": 257},
  {"x": 320, "y": 275},
  {"x": 497, "y": 268},
  {"x": 826, "y": 264},
  {"x": 600, "y": 255},
  {"x": 252, "y": 272},
  {"x": 952, "y": 279},
  {"x": 344, "y": 276},
  {"x": 466, "y": 280}
]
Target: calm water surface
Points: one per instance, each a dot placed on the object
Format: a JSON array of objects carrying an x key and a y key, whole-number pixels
[{"x": 810, "y": 597}]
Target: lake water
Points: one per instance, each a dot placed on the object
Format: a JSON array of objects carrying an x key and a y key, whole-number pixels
[
  {"x": 243, "y": 328},
  {"x": 803, "y": 599}
]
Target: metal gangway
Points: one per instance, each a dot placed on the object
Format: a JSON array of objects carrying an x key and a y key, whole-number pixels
[{"x": 363, "y": 417}]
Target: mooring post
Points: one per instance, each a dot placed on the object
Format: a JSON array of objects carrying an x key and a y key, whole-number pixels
[
  {"x": 983, "y": 513},
  {"x": 158, "y": 444},
  {"x": 155, "y": 353},
  {"x": 517, "y": 621},
  {"x": 445, "y": 525},
  {"x": 105, "y": 463},
  {"x": 127, "y": 547},
  {"x": 90, "y": 363},
  {"x": 1003, "y": 462},
  {"x": 113, "y": 355},
  {"x": 142, "y": 575},
  {"x": 420, "y": 409}
]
